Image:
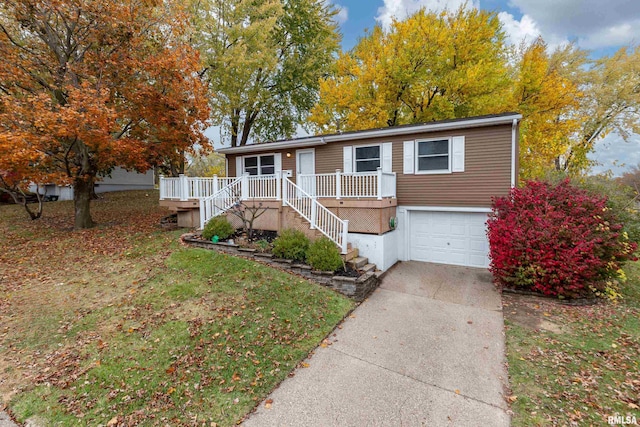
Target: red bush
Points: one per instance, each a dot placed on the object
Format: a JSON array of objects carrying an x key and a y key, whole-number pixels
[{"x": 557, "y": 240}]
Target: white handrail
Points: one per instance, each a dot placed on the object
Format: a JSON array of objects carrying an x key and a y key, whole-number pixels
[
  {"x": 220, "y": 202},
  {"x": 318, "y": 216}
]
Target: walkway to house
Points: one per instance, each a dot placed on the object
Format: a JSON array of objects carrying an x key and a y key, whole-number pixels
[{"x": 426, "y": 348}]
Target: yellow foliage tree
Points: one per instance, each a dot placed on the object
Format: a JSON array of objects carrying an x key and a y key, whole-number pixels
[{"x": 430, "y": 66}]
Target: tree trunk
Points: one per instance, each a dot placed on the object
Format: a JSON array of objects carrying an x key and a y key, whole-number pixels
[{"x": 82, "y": 191}]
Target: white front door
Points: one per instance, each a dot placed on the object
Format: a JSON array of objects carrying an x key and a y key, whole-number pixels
[{"x": 305, "y": 170}]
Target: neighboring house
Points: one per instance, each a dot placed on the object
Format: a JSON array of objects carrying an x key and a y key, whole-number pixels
[
  {"x": 416, "y": 192},
  {"x": 119, "y": 180}
]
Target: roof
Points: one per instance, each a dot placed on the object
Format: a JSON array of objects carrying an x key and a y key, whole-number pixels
[{"x": 316, "y": 140}]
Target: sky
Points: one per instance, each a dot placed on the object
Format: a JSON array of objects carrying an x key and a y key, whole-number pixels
[{"x": 601, "y": 26}]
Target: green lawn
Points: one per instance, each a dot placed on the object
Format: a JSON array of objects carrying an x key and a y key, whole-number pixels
[
  {"x": 123, "y": 323},
  {"x": 585, "y": 371}
]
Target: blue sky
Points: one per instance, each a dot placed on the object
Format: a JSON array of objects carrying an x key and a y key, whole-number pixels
[{"x": 601, "y": 26}]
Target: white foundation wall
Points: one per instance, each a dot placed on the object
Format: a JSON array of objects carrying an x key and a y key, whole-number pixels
[{"x": 382, "y": 250}]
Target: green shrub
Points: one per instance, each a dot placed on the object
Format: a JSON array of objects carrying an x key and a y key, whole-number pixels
[
  {"x": 291, "y": 244},
  {"x": 324, "y": 255},
  {"x": 217, "y": 226}
]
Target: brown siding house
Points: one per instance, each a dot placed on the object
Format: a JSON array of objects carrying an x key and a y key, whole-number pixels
[{"x": 415, "y": 192}]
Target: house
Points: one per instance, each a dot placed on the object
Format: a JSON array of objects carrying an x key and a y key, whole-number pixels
[
  {"x": 119, "y": 180},
  {"x": 415, "y": 192}
]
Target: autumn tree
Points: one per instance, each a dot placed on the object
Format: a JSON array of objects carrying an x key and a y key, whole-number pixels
[
  {"x": 611, "y": 103},
  {"x": 548, "y": 98},
  {"x": 430, "y": 66},
  {"x": 262, "y": 62},
  {"x": 87, "y": 86}
]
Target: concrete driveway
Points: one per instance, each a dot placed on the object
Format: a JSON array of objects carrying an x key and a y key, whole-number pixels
[{"x": 426, "y": 349}]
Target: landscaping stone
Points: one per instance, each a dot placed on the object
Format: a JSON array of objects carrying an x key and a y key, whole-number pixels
[{"x": 353, "y": 287}]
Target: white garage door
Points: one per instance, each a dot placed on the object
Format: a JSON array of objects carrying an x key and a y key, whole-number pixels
[{"x": 457, "y": 238}]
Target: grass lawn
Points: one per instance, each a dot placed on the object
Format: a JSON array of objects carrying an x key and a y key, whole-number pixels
[
  {"x": 122, "y": 324},
  {"x": 574, "y": 365}
]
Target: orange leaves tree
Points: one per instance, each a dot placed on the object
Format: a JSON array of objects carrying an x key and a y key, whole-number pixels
[{"x": 87, "y": 86}]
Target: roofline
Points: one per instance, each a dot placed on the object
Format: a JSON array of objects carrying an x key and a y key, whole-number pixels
[
  {"x": 312, "y": 141},
  {"x": 289, "y": 143}
]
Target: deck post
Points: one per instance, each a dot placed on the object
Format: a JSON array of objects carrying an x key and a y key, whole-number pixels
[
  {"x": 278, "y": 185},
  {"x": 184, "y": 187},
  {"x": 314, "y": 212},
  {"x": 215, "y": 185},
  {"x": 379, "y": 183},
  {"x": 285, "y": 190},
  {"x": 244, "y": 187},
  {"x": 162, "y": 188},
  {"x": 338, "y": 185},
  {"x": 345, "y": 233}
]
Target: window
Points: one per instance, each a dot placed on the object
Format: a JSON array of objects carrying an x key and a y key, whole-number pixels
[
  {"x": 260, "y": 165},
  {"x": 367, "y": 158},
  {"x": 433, "y": 156}
]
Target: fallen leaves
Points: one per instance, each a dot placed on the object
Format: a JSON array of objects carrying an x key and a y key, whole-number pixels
[{"x": 268, "y": 403}]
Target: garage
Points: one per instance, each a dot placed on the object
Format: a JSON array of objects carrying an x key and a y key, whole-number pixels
[{"x": 457, "y": 238}]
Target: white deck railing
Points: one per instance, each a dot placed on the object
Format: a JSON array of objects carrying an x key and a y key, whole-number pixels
[
  {"x": 372, "y": 185},
  {"x": 337, "y": 185},
  {"x": 319, "y": 217}
]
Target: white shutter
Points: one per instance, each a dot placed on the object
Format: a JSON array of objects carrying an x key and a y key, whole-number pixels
[
  {"x": 347, "y": 159},
  {"x": 387, "y": 157},
  {"x": 409, "y": 153},
  {"x": 457, "y": 158},
  {"x": 239, "y": 168},
  {"x": 277, "y": 161}
]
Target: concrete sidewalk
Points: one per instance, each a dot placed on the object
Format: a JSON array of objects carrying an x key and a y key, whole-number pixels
[{"x": 426, "y": 349}]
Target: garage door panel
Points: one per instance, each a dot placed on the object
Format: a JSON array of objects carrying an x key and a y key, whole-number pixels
[{"x": 457, "y": 238}]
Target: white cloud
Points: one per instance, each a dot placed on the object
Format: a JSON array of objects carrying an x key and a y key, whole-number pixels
[
  {"x": 400, "y": 9},
  {"x": 518, "y": 31},
  {"x": 617, "y": 35},
  {"x": 343, "y": 12},
  {"x": 613, "y": 153},
  {"x": 527, "y": 30},
  {"x": 593, "y": 23}
]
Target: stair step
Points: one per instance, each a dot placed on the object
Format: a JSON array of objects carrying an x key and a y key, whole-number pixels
[
  {"x": 351, "y": 254},
  {"x": 379, "y": 273},
  {"x": 359, "y": 262},
  {"x": 368, "y": 267}
]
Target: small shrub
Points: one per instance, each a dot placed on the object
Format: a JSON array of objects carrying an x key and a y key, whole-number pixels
[
  {"x": 217, "y": 226},
  {"x": 262, "y": 245},
  {"x": 324, "y": 255},
  {"x": 291, "y": 244},
  {"x": 558, "y": 240}
]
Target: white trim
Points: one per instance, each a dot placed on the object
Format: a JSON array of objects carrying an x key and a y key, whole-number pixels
[
  {"x": 444, "y": 209},
  {"x": 374, "y": 133},
  {"x": 416, "y": 159},
  {"x": 514, "y": 152},
  {"x": 347, "y": 159},
  {"x": 386, "y": 157},
  {"x": 305, "y": 151},
  {"x": 457, "y": 154},
  {"x": 259, "y": 166},
  {"x": 408, "y": 154}
]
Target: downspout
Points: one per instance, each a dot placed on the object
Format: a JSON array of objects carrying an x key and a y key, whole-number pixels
[{"x": 514, "y": 153}]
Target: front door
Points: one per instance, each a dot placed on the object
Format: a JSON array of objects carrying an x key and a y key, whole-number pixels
[{"x": 305, "y": 170}]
